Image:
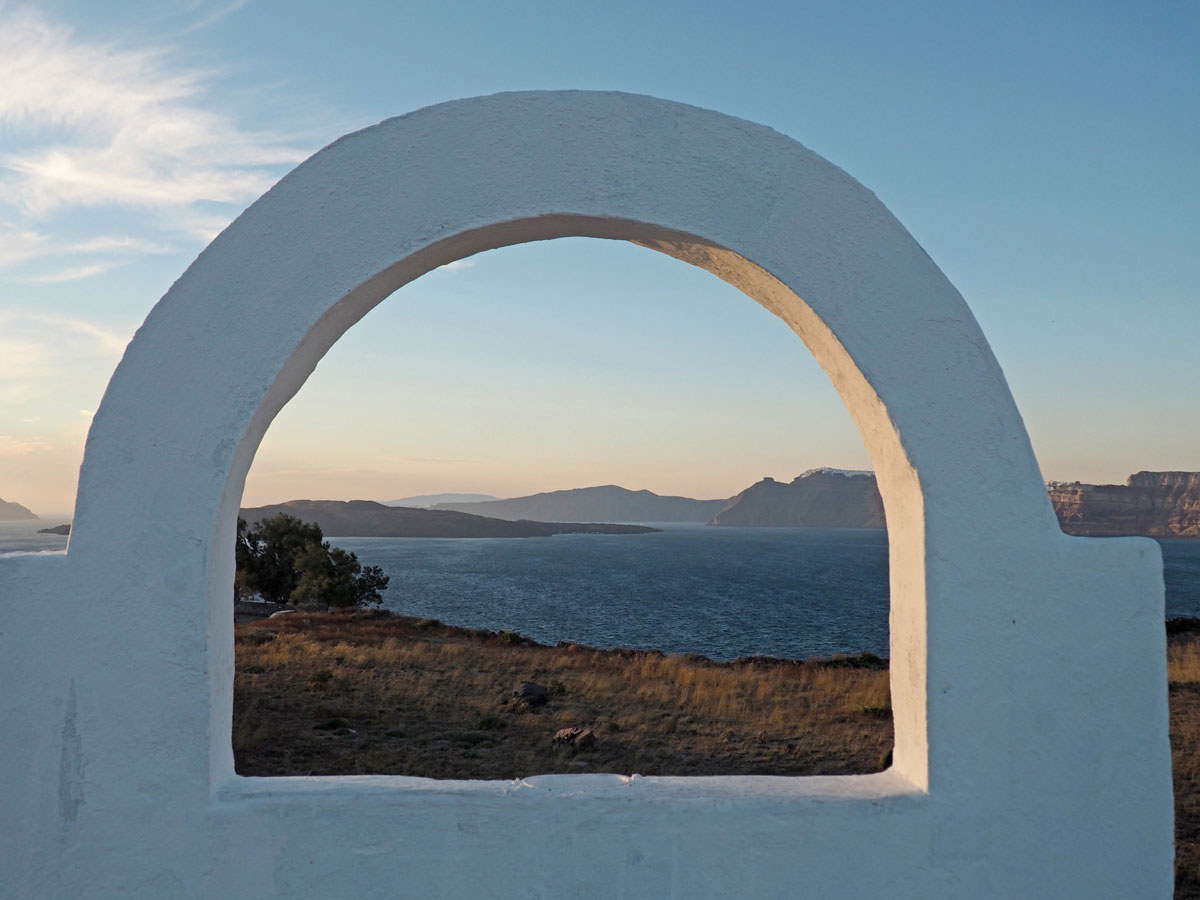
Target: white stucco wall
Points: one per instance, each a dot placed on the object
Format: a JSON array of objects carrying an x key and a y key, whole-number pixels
[{"x": 1028, "y": 667}]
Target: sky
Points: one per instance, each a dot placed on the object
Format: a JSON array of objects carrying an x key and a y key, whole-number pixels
[{"x": 1044, "y": 154}]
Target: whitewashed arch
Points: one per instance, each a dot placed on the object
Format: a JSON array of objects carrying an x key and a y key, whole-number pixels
[{"x": 1027, "y": 667}]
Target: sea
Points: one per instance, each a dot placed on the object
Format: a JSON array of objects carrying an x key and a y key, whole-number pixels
[{"x": 723, "y": 592}]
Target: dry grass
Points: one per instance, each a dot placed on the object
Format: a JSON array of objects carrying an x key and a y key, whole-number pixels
[
  {"x": 375, "y": 693},
  {"x": 1183, "y": 673},
  {"x": 358, "y": 693}
]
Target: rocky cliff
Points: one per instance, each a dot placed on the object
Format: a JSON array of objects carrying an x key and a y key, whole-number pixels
[
  {"x": 607, "y": 503},
  {"x": 365, "y": 518},
  {"x": 1155, "y": 504},
  {"x": 820, "y": 498},
  {"x": 13, "y": 512}
]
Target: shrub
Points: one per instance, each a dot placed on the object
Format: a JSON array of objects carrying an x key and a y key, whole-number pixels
[{"x": 285, "y": 560}]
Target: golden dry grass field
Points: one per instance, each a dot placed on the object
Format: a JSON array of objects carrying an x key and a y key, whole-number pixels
[
  {"x": 1183, "y": 674},
  {"x": 372, "y": 692}
]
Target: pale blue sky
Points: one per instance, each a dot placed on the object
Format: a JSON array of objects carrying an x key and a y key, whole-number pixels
[{"x": 1044, "y": 154}]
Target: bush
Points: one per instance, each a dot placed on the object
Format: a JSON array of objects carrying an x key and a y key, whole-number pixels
[{"x": 285, "y": 560}]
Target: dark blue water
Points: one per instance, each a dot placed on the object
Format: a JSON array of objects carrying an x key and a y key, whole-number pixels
[
  {"x": 724, "y": 592},
  {"x": 1181, "y": 572}
]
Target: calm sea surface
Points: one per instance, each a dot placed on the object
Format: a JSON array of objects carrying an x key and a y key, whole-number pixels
[
  {"x": 723, "y": 592},
  {"x": 22, "y": 537}
]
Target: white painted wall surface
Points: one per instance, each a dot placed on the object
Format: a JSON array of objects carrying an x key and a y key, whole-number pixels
[{"x": 1028, "y": 667}]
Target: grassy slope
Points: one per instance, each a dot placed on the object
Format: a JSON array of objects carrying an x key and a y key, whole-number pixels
[
  {"x": 376, "y": 693},
  {"x": 1183, "y": 671},
  {"x": 341, "y": 694}
]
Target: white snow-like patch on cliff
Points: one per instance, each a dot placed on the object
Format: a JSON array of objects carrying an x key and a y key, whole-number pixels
[{"x": 849, "y": 473}]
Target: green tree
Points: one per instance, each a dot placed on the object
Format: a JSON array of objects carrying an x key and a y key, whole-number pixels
[{"x": 285, "y": 560}]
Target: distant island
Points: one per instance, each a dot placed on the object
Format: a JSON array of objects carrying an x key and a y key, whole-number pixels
[
  {"x": 819, "y": 498},
  {"x": 424, "y": 501},
  {"x": 14, "y": 512},
  {"x": 824, "y": 498},
  {"x": 366, "y": 518},
  {"x": 1154, "y": 504},
  {"x": 606, "y": 503}
]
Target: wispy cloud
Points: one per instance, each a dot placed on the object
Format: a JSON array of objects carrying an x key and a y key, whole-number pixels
[
  {"x": 118, "y": 244},
  {"x": 90, "y": 125},
  {"x": 19, "y": 245},
  {"x": 210, "y": 13},
  {"x": 200, "y": 226},
  {"x": 72, "y": 273},
  {"x": 36, "y": 346}
]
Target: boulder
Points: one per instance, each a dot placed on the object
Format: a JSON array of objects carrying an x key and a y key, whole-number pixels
[
  {"x": 577, "y": 737},
  {"x": 531, "y": 693}
]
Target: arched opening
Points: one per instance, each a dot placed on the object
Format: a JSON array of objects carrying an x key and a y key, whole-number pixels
[
  {"x": 730, "y": 267},
  {"x": 712, "y": 393}
]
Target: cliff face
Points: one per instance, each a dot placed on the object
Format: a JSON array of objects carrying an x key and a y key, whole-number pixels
[
  {"x": 607, "y": 503},
  {"x": 14, "y": 512},
  {"x": 822, "y": 498},
  {"x": 1155, "y": 504}
]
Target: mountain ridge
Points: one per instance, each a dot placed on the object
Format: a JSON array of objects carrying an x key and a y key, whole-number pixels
[
  {"x": 1153, "y": 504},
  {"x": 425, "y": 501},
  {"x": 600, "y": 503},
  {"x": 1149, "y": 504},
  {"x": 15, "y": 512},
  {"x": 819, "y": 498},
  {"x": 367, "y": 518}
]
